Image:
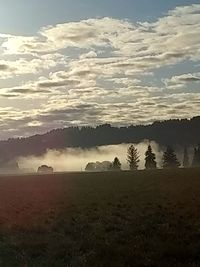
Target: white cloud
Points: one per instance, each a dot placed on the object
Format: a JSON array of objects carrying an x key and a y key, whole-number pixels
[
  {"x": 90, "y": 54},
  {"x": 180, "y": 81},
  {"x": 22, "y": 66},
  {"x": 102, "y": 70},
  {"x": 178, "y": 32}
]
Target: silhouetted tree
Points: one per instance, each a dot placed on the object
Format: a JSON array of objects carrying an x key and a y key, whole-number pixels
[
  {"x": 169, "y": 159},
  {"x": 133, "y": 158},
  {"x": 185, "y": 158},
  {"x": 91, "y": 166},
  {"x": 194, "y": 160},
  {"x": 116, "y": 164},
  {"x": 104, "y": 166},
  {"x": 99, "y": 166},
  {"x": 150, "y": 159},
  {"x": 196, "y": 157},
  {"x": 45, "y": 169}
]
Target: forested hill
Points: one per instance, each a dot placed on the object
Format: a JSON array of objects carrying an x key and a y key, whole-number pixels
[{"x": 171, "y": 132}]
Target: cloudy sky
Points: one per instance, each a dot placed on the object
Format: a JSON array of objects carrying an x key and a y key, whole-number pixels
[{"x": 88, "y": 62}]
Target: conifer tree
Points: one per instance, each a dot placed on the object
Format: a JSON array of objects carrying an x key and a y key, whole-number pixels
[
  {"x": 185, "y": 158},
  {"x": 133, "y": 158},
  {"x": 169, "y": 159},
  {"x": 116, "y": 166},
  {"x": 150, "y": 159},
  {"x": 194, "y": 160},
  {"x": 196, "y": 157}
]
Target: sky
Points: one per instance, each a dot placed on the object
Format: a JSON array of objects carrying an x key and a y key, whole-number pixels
[{"x": 73, "y": 62}]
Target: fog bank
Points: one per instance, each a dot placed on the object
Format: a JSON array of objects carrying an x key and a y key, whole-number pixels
[{"x": 76, "y": 159}]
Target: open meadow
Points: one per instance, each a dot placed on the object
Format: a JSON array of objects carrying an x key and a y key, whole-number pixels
[{"x": 143, "y": 218}]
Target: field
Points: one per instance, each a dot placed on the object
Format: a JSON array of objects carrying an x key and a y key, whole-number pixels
[{"x": 101, "y": 219}]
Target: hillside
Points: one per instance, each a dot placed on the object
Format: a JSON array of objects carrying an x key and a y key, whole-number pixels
[{"x": 171, "y": 132}]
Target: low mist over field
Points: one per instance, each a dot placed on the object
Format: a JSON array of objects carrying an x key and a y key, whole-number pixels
[{"x": 75, "y": 159}]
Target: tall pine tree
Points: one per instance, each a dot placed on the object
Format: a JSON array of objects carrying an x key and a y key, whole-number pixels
[
  {"x": 133, "y": 158},
  {"x": 169, "y": 159},
  {"x": 150, "y": 159}
]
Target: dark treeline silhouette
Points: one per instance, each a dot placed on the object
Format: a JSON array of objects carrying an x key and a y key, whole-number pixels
[
  {"x": 183, "y": 132},
  {"x": 169, "y": 160},
  {"x": 104, "y": 166}
]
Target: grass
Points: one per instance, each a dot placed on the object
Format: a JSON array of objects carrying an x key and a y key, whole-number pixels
[{"x": 144, "y": 218}]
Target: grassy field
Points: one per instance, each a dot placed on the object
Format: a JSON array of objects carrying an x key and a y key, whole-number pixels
[{"x": 101, "y": 219}]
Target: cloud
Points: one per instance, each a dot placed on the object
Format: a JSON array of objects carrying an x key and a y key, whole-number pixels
[
  {"x": 23, "y": 66},
  {"x": 23, "y": 45},
  {"x": 195, "y": 77},
  {"x": 101, "y": 70},
  {"x": 181, "y": 80},
  {"x": 140, "y": 47},
  {"x": 61, "y": 83},
  {"x": 4, "y": 67},
  {"x": 90, "y": 54},
  {"x": 25, "y": 91},
  {"x": 178, "y": 31}
]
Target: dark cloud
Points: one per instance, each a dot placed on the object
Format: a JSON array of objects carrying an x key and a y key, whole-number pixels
[
  {"x": 190, "y": 79},
  {"x": 173, "y": 55},
  {"x": 29, "y": 91},
  {"x": 4, "y": 67},
  {"x": 5, "y": 95},
  {"x": 58, "y": 83}
]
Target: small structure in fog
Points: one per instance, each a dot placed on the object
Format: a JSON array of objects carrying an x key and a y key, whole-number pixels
[{"x": 45, "y": 169}]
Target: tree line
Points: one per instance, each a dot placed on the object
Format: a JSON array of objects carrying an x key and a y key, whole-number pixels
[
  {"x": 171, "y": 132},
  {"x": 169, "y": 160}
]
